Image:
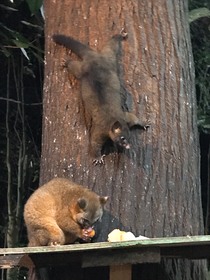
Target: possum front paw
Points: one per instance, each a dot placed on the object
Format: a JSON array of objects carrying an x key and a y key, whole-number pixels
[
  {"x": 99, "y": 161},
  {"x": 87, "y": 234}
]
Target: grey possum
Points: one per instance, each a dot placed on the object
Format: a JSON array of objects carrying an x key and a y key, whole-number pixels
[
  {"x": 60, "y": 212},
  {"x": 100, "y": 88}
]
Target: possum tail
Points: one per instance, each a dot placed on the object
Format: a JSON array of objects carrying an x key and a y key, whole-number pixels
[{"x": 70, "y": 43}]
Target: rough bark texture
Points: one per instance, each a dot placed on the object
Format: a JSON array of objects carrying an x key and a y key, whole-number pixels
[{"x": 154, "y": 188}]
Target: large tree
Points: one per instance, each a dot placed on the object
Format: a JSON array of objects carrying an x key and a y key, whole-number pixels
[{"x": 154, "y": 188}]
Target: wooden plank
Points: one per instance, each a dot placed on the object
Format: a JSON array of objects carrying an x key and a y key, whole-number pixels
[
  {"x": 120, "y": 272},
  {"x": 187, "y": 252},
  {"x": 105, "y": 253},
  {"x": 56, "y": 259},
  {"x": 150, "y": 242},
  {"x": 85, "y": 259},
  {"x": 120, "y": 257},
  {"x": 15, "y": 260}
]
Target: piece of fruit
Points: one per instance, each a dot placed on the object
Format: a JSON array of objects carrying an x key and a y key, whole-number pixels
[{"x": 92, "y": 233}]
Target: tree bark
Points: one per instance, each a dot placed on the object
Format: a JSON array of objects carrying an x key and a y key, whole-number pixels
[{"x": 154, "y": 188}]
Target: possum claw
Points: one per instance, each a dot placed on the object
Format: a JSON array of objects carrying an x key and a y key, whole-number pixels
[
  {"x": 123, "y": 32},
  {"x": 99, "y": 161},
  {"x": 54, "y": 243},
  {"x": 146, "y": 126},
  {"x": 64, "y": 63}
]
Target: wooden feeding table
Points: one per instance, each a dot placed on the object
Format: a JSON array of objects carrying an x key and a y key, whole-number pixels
[{"x": 119, "y": 256}]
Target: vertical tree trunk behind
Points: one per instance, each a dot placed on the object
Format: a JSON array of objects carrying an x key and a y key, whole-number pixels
[{"x": 154, "y": 188}]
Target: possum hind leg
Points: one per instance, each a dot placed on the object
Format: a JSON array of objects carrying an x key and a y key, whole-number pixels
[
  {"x": 48, "y": 234},
  {"x": 113, "y": 45},
  {"x": 96, "y": 143},
  {"x": 74, "y": 67}
]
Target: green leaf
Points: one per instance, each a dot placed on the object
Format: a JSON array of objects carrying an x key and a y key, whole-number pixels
[
  {"x": 38, "y": 56},
  {"x": 21, "y": 44},
  {"x": 6, "y": 52},
  {"x": 8, "y": 8},
  {"x": 31, "y": 25},
  {"x": 34, "y": 5},
  {"x": 198, "y": 13},
  {"x": 24, "y": 53}
]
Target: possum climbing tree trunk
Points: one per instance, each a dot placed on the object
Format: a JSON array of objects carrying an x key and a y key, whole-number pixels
[{"x": 154, "y": 187}]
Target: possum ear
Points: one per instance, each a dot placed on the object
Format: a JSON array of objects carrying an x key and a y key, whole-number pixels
[
  {"x": 116, "y": 127},
  {"x": 103, "y": 199},
  {"x": 82, "y": 203}
]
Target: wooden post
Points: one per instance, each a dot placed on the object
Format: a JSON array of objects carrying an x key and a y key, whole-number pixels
[{"x": 119, "y": 272}]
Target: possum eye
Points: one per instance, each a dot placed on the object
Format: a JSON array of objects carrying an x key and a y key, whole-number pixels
[
  {"x": 122, "y": 138},
  {"x": 82, "y": 203},
  {"x": 84, "y": 222}
]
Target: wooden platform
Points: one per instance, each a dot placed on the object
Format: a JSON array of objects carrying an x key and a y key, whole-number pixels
[{"x": 118, "y": 255}]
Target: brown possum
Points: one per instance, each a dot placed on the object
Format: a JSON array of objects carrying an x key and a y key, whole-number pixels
[
  {"x": 60, "y": 212},
  {"x": 100, "y": 87}
]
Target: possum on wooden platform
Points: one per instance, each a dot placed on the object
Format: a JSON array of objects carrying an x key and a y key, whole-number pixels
[
  {"x": 100, "y": 89},
  {"x": 60, "y": 212}
]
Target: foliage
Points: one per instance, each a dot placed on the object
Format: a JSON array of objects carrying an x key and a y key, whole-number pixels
[
  {"x": 21, "y": 54},
  {"x": 20, "y": 30},
  {"x": 196, "y": 4},
  {"x": 198, "y": 13},
  {"x": 200, "y": 35}
]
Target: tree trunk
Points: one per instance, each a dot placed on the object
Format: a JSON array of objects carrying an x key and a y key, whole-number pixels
[{"x": 154, "y": 188}]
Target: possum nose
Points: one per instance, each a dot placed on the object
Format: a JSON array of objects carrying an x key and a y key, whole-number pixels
[{"x": 127, "y": 146}]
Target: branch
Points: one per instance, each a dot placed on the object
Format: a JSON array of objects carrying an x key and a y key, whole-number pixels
[
  {"x": 9, "y": 176},
  {"x": 19, "y": 102}
]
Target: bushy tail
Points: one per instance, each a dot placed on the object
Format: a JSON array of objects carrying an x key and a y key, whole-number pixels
[{"x": 72, "y": 44}]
